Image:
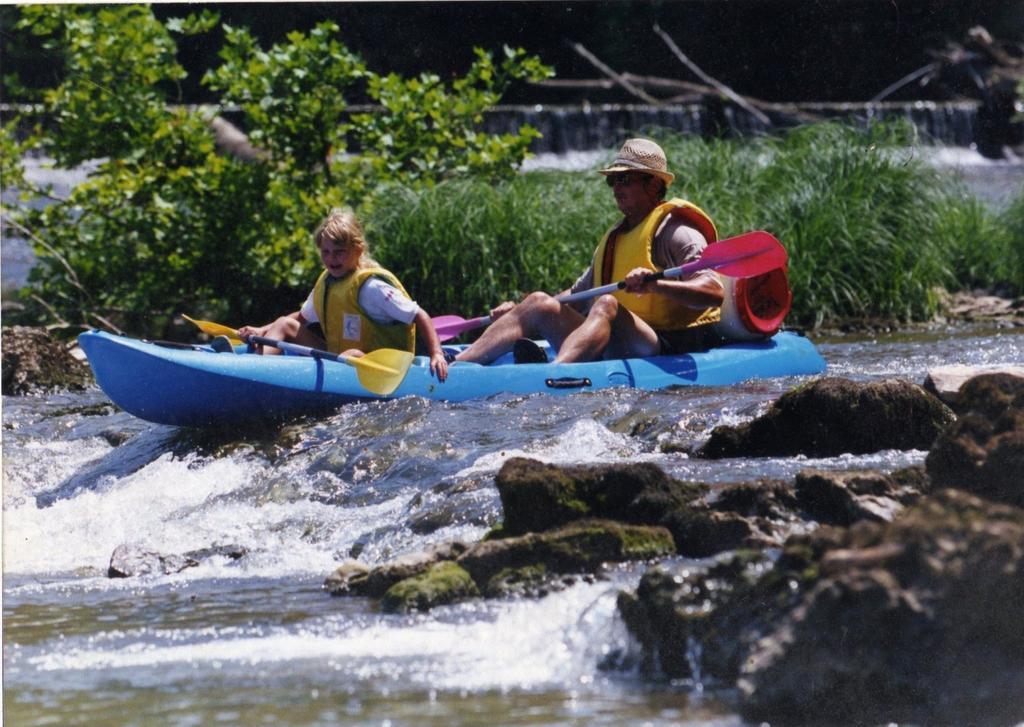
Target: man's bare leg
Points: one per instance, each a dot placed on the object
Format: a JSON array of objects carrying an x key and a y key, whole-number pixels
[
  {"x": 589, "y": 339},
  {"x": 610, "y": 331},
  {"x": 538, "y": 314}
]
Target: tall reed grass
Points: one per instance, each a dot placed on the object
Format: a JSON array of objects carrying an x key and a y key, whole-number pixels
[
  {"x": 1004, "y": 251},
  {"x": 466, "y": 245},
  {"x": 872, "y": 230}
]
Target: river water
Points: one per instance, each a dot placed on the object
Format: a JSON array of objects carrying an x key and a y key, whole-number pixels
[{"x": 256, "y": 640}]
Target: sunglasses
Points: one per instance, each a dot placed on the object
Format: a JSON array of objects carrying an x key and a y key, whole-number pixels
[{"x": 625, "y": 178}]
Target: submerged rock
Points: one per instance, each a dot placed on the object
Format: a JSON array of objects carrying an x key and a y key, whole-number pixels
[
  {"x": 33, "y": 360},
  {"x": 833, "y": 416},
  {"x": 130, "y": 561}
]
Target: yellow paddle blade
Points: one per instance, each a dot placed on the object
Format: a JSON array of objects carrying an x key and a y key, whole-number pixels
[
  {"x": 214, "y": 329},
  {"x": 381, "y": 371}
]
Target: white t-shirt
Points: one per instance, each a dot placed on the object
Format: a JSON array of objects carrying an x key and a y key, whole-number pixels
[{"x": 381, "y": 302}]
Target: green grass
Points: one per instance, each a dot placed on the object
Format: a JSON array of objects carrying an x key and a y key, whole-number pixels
[
  {"x": 465, "y": 246},
  {"x": 1001, "y": 252},
  {"x": 871, "y": 229}
]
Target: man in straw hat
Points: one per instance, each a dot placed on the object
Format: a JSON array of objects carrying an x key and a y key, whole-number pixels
[{"x": 646, "y": 318}]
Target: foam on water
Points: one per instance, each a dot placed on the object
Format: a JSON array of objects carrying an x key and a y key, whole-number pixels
[
  {"x": 585, "y": 442},
  {"x": 150, "y": 506},
  {"x": 35, "y": 465},
  {"x": 176, "y": 505},
  {"x": 521, "y": 645}
]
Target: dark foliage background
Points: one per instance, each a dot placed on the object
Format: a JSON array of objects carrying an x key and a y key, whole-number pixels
[{"x": 778, "y": 50}]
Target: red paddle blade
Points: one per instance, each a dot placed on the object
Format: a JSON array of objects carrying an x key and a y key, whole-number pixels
[
  {"x": 745, "y": 256},
  {"x": 448, "y": 327}
]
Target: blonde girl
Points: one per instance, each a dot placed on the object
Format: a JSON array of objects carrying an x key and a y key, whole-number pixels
[{"x": 356, "y": 306}]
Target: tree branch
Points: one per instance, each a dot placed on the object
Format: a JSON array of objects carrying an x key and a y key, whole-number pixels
[
  {"x": 72, "y": 276},
  {"x": 638, "y": 92},
  {"x": 721, "y": 87},
  {"x": 910, "y": 77}
]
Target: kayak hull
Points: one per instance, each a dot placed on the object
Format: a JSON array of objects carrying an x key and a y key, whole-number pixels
[{"x": 196, "y": 386}]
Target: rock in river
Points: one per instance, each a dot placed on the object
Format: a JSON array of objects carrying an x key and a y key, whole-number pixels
[
  {"x": 32, "y": 359},
  {"x": 833, "y": 416},
  {"x": 984, "y": 451}
]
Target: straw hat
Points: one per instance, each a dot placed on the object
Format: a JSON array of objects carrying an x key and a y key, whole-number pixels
[{"x": 641, "y": 155}]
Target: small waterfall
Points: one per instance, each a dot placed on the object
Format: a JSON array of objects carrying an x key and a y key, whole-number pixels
[
  {"x": 694, "y": 652},
  {"x": 586, "y": 127}
]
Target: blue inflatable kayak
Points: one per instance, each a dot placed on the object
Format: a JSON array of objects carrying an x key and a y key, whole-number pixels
[{"x": 195, "y": 386}]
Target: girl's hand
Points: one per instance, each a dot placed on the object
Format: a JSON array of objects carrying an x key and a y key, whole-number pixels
[
  {"x": 438, "y": 365},
  {"x": 245, "y": 331}
]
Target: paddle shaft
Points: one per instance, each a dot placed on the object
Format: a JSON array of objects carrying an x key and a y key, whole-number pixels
[
  {"x": 676, "y": 272},
  {"x": 296, "y": 348}
]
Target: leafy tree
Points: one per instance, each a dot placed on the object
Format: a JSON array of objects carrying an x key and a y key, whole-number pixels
[
  {"x": 427, "y": 132},
  {"x": 165, "y": 222}
]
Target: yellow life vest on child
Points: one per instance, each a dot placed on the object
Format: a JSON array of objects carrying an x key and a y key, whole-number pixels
[
  {"x": 632, "y": 249},
  {"x": 346, "y": 325}
]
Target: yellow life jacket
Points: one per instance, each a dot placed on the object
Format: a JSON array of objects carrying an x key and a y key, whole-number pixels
[
  {"x": 632, "y": 249},
  {"x": 346, "y": 325}
]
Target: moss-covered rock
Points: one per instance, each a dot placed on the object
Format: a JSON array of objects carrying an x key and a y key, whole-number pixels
[
  {"x": 441, "y": 584},
  {"x": 917, "y": 620},
  {"x": 722, "y": 609},
  {"x": 576, "y": 548},
  {"x": 531, "y": 580},
  {"x": 355, "y": 578},
  {"x": 832, "y": 416},
  {"x": 537, "y": 496},
  {"x": 948, "y": 382},
  {"x": 702, "y": 533}
]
